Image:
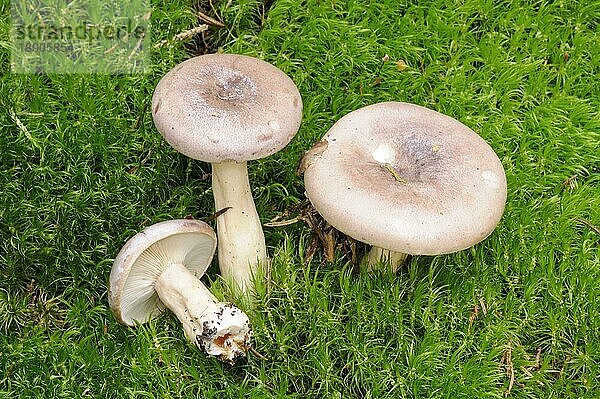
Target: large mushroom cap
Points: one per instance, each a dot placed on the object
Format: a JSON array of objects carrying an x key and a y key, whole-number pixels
[
  {"x": 146, "y": 255},
  {"x": 406, "y": 178},
  {"x": 220, "y": 107}
]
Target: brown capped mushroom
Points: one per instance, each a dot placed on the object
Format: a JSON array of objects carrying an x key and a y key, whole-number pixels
[
  {"x": 160, "y": 268},
  {"x": 407, "y": 180},
  {"x": 229, "y": 109}
]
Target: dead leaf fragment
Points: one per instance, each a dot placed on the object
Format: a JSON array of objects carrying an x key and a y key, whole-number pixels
[
  {"x": 401, "y": 65},
  {"x": 311, "y": 156}
]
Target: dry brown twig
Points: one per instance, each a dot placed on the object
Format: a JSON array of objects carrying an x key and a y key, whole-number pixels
[
  {"x": 571, "y": 182},
  {"x": 137, "y": 46},
  {"x": 218, "y": 213},
  {"x": 324, "y": 235},
  {"x": 480, "y": 306},
  {"x": 528, "y": 371},
  {"x": 593, "y": 227},
  {"x": 142, "y": 163},
  {"x": 210, "y": 20},
  {"x": 257, "y": 353},
  {"x": 283, "y": 222},
  {"x": 20, "y": 124},
  {"x": 483, "y": 306},
  {"x": 183, "y": 35},
  {"x": 473, "y": 316},
  {"x": 510, "y": 371}
]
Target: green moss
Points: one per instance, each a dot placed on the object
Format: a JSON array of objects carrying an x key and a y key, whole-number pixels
[{"x": 82, "y": 169}]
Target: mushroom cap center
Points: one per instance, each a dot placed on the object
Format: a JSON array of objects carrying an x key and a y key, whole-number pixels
[
  {"x": 414, "y": 158},
  {"x": 232, "y": 86}
]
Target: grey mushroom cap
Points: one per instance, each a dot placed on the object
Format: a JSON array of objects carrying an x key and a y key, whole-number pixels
[
  {"x": 407, "y": 179},
  {"x": 146, "y": 255},
  {"x": 221, "y": 107}
]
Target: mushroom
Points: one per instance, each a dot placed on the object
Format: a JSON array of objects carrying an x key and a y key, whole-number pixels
[
  {"x": 407, "y": 180},
  {"x": 229, "y": 109},
  {"x": 160, "y": 268}
]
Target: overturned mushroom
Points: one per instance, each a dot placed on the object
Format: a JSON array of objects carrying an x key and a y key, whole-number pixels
[
  {"x": 407, "y": 180},
  {"x": 229, "y": 109},
  {"x": 160, "y": 268}
]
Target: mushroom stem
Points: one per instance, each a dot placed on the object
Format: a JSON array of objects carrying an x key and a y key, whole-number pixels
[
  {"x": 379, "y": 255},
  {"x": 241, "y": 239},
  {"x": 219, "y": 328}
]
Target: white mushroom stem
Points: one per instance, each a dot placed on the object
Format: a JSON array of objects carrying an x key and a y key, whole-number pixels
[
  {"x": 379, "y": 255},
  {"x": 218, "y": 328},
  {"x": 241, "y": 248}
]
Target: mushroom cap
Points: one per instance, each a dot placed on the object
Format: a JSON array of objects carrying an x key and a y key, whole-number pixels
[
  {"x": 407, "y": 179},
  {"x": 146, "y": 255},
  {"x": 220, "y": 107}
]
